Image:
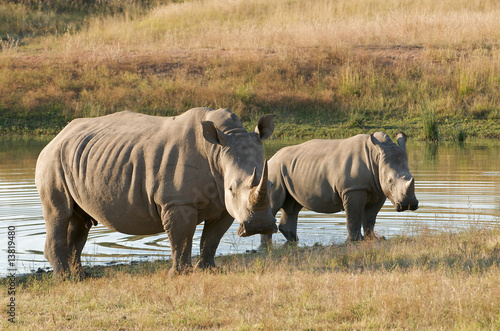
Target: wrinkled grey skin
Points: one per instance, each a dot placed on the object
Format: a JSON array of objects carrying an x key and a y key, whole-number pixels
[
  {"x": 140, "y": 174},
  {"x": 327, "y": 176}
]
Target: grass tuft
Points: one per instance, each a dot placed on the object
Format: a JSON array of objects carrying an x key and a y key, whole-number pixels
[{"x": 430, "y": 124}]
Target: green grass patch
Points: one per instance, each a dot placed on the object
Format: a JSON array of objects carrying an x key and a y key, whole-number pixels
[{"x": 61, "y": 60}]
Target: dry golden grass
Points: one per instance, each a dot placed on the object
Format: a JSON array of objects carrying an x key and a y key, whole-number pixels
[
  {"x": 336, "y": 67},
  {"x": 287, "y": 27},
  {"x": 343, "y": 66},
  {"x": 431, "y": 281}
]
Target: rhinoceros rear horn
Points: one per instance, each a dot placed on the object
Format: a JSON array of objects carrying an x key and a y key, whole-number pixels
[
  {"x": 253, "y": 181},
  {"x": 401, "y": 140},
  {"x": 410, "y": 185},
  {"x": 258, "y": 196}
]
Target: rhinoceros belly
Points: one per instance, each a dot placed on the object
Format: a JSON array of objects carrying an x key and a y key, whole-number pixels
[{"x": 312, "y": 187}]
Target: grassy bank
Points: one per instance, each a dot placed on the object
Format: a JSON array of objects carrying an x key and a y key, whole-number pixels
[
  {"x": 424, "y": 281},
  {"x": 326, "y": 68}
]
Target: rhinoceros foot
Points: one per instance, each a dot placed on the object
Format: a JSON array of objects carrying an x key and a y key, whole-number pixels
[
  {"x": 181, "y": 270},
  {"x": 208, "y": 268},
  {"x": 373, "y": 236}
]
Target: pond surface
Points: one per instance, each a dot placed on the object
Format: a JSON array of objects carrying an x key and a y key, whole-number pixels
[{"x": 458, "y": 186}]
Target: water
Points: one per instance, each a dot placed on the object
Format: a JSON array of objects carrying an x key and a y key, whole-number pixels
[{"x": 458, "y": 186}]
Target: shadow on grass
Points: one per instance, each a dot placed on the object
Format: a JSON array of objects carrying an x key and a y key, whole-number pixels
[{"x": 470, "y": 251}]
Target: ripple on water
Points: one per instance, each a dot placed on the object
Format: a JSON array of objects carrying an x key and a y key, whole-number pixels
[{"x": 454, "y": 192}]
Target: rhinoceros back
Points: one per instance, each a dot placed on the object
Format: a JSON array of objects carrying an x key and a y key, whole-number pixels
[
  {"x": 123, "y": 168},
  {"x": 318, "y": 173}
]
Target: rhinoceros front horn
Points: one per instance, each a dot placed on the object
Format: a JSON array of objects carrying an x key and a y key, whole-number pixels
[{"x": 258, "y": 196}]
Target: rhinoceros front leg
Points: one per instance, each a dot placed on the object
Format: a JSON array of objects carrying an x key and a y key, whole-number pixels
[
  {"x": 354, "y": 205},
  {"x": 266, "y": 240},
  {"x": 289, "y": 218},
  {"x": 278, "y": 197},
  {"x": 180, "y": 223},
  {"x": 370, "y": 216},
  {"x": 210, "y": 239}
]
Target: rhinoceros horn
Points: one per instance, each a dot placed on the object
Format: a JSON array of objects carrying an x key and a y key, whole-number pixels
[
  {"x": 401, "y": 139},
  {"x": 258, "y": 196},
  {"x": 253, "y": 180},
  {"x": 410, "y": 185}
]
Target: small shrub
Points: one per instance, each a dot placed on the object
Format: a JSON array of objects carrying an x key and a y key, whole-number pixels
[
  {"x": 462, "y": 135},
  {"x": 356, "y": 120},
  {"x": 430, "y": 125},
  {"x": 8, "y": 44}
]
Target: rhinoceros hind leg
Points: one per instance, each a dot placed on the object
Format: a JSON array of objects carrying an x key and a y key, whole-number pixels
[
  {"x": 56, "y": 250},
  {"x": 78, "y": 231},
  {"x": 289, "y": 217},
  {"x": 210, "y": 239},
  {"x": 56, "y": 240},
  {"x": 57, "y": 207},
  {"x": 180, "y": 223}
]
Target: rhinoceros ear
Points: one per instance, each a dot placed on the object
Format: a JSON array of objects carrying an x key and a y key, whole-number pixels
[
  {"x": 377, "y": 143},
  {"x": 401, "y": 140},
  {"x": 213, "y": 134},
  {"x": 265, "y": 126}
]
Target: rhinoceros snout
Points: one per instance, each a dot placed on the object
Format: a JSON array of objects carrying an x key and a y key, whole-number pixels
[
  {"x": 247, "y": 229},
  {"x": 403, "y": 207}
]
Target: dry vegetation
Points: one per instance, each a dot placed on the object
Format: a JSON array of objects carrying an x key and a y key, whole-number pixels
[
  {"x": 334, "y": 67},
  {"x": 436, "y": 281},
  {"x": 327, "y": 68}
]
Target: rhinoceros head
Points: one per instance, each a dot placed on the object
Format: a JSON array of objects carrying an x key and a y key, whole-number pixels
[
  {"x": 246, "y": 186},
  {"x": 395, "y": 178}
]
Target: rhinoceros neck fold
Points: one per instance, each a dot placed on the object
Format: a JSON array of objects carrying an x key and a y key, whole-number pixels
[
  {"x": 213, "y": 155},
  {"x": 373, "y": 161}
]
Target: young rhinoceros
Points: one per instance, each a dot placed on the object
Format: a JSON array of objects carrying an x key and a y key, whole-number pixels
[
  {"x": 355, "y": 174},
  {"x": 140, "y": 174}
]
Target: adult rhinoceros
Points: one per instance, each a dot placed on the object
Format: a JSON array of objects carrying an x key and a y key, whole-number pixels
[
  {"x": 141, "y": 174},
  {"x": 354, "y": 174}
]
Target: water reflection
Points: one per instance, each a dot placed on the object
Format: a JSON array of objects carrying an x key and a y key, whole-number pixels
[
  {"x": 430, "y": 153},
  {"x": 458, "y": 185}
]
